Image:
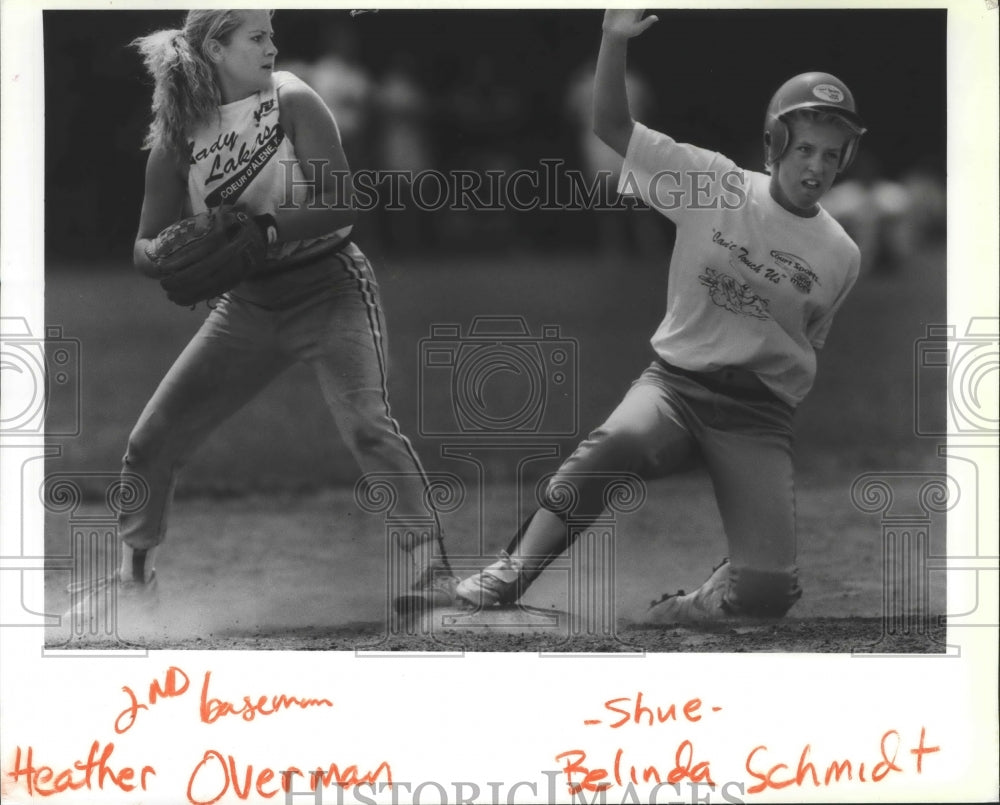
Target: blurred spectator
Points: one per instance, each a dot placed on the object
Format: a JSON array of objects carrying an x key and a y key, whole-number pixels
[
  {"x": 619, "y": 230},
  {"x": 873, "y": 210},
  {"x": 302, "y": 69},
  {"x": 402, "y": 107},
  {"x": 488, "y": 115},
  {"x": 346, "y": 87},
  {"x": 402, "y": 143},
  {"x": 926, "y": 218}
]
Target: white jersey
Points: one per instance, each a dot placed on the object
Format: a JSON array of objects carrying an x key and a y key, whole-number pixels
[
  {"x": 243, "y": 157},
  {"x": 750, "y": 285}
]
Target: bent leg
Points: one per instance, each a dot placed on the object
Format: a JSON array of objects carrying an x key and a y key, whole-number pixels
[
  {"x": 341, "y": 335},
  {"x": 644, "y": 435},
  {"x": 222, "y": 367},
  {"x": 754, "y": 486}
]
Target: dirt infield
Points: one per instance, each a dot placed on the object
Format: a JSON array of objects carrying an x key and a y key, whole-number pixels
[
  {"x": 266, "y": 551},
  {"x": 814, "y": 636},
  {"x": 309, "y": 573}
]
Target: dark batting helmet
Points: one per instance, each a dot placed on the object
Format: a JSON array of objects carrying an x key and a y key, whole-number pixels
[{"x": 820, "y": 91}]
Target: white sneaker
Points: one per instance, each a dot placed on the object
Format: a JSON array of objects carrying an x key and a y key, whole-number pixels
[
  {"x": 704, "y": 605},
  {"x": 496, "y": 585}
]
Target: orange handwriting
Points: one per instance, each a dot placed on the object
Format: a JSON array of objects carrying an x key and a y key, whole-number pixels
[
  {"x": 94, "y": 771},
  {"x": 779, "y": 775},
  {"x": 219, "y": 774},
  {"x": 175, "y": 683},
  {"x": 640, "y": 714},
  {"x": 593, "y": 779},
  {"x": 213, "y": 709}
]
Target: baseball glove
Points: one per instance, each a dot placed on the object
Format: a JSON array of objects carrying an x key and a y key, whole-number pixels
[{"x": 204, "y": 256}]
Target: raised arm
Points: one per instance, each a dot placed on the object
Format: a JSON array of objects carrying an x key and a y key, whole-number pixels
[{"x": 612, "y": 118}]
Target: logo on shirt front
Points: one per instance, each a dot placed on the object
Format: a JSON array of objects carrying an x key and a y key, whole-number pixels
[
  {"x": 735, "y": 296},
  {"x": 799, "y": 274},
  {"x": 740, "y": 259},
  {"x": 262, "y": 111}
]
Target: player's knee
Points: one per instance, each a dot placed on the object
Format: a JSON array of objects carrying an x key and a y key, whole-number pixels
[
  {"x": 762, "y": 593},
  {"x": 142, "y": 449},
  {"x": 617, "y": 448},
  {"x": 365, "y": 438},
  {"x": 152, "y": 449},
  {"x": 580, "y": 485}
]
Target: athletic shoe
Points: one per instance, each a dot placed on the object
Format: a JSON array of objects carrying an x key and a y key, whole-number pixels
[
  {"x": 704, "y": 605},
  {"x": 497, "y": 585},
  {"x": 93, "y": 602},
  {"x": 435, "y": 588}
]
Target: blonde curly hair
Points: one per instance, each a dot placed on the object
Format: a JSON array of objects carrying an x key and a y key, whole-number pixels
[{"x": 185, "y": 90}]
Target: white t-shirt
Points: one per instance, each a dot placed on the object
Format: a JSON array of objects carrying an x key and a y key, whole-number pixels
[
  {"x": 244, "y": 158},
  {"x": 751, "y": 285}
]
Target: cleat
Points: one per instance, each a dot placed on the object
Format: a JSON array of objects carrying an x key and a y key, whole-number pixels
[
  {"x": 93, "y": 602},
  {"x": 705, "y": 605},
  {"x": 435, "y": 589},
  {"x": 500, "y": 584}
]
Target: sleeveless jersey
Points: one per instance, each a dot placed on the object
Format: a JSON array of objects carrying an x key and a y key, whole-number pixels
[{"x": 243, "y": 157}]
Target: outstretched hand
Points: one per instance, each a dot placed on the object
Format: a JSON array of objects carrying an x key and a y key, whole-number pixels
[{"x": 627, "y": 22}]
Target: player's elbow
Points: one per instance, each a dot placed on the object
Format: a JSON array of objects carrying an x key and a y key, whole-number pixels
[
  {"x": 340, "y": 216},
  {"x": 348, "y": 215},
  {"x": 613, "y": 133}
]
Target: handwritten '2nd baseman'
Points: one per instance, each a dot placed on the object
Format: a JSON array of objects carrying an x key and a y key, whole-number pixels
[{"x": 176, "y": 682}]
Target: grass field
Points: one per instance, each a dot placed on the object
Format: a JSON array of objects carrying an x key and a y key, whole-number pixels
[
  {"x": 858, "y": 416},
  {"x": 267, "y": 548}
]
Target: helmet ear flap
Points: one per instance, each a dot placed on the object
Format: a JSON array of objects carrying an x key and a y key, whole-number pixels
[
  {"x": 775, "y": 140},
  {"x": 850, "y": 151}
]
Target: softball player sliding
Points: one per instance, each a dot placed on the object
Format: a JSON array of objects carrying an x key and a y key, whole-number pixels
[
  {"x": 226, "y": 127},
  {"x": 756, "y": 275}
]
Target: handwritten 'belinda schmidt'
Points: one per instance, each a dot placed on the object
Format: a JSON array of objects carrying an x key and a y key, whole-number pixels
[{"x": 893, "y": 755}]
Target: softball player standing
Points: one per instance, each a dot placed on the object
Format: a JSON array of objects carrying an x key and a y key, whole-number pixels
[
  {"x": 226, "y": 129},
  {"x": 757, "y": 272}
]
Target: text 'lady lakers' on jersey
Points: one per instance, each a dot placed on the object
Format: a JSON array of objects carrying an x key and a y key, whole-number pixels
[{"x": 244, "y": 158}]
